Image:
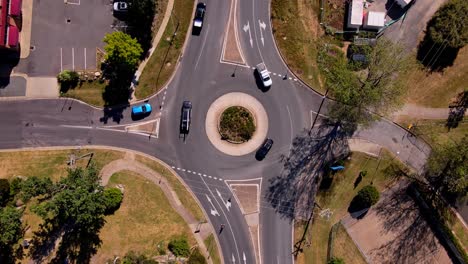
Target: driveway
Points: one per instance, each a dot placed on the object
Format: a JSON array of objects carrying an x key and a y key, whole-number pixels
[
  {"x": 65, "y": 35},
  {"x": 409, "y": 30}
]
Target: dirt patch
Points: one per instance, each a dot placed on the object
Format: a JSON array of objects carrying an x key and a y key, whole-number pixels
[
  {"x": 247, "y": 197},
  {"x": 231, "y": 51},
  {"x": 394, "y": 231},
  {"x": 335, "y": 13}
]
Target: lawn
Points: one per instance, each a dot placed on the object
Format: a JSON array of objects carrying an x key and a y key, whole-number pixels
[
  {"x": 342, "y": 247},
  {"x": 211, "y": 246},
  {"x": 437, "y": 89},
  {"x": 435, "y": 132},
  {"x": 296, "y": 30},
  {"x": 337, "y": 198},
  {"x": 184, "y": 195},
  {"x": 162, "y": 63},
  {"x": 144, "y": 220},
  {"x": 89, "y": 92}
]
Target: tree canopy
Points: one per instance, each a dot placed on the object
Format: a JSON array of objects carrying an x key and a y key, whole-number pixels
[
  {"x": 447, "y": 167},
  {"x": 11, "y": 231},
  {"x": 450, "y": 24},
  {"x": 121, "y": 49},
  {"x": 378, "y": 88}
]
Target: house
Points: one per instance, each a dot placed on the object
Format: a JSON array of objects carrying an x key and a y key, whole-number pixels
[
  {"x": 374, "y": 20},
  {"x": 355, "y": 14},
  {"x": 10, "y": 18}
]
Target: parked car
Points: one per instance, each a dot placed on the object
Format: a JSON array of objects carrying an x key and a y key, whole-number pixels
[
  {"x": 120, "y": 6},
  {"x": 199, "y": 16},
  {"x": 185, "y": 117},
  {"x": 264, "y": 149},
  {"x": 141, "y": 110}
]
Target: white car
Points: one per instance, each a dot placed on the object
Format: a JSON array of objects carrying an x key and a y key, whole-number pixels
[
  {"x": 120, "y": 7},
  {"x": 264, "y": 74}
]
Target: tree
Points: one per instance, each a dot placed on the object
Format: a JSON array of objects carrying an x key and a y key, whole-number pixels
[
  {"x": 11, "y": 230},
  {"x": 122, "y": 50},
  {"x": 365, "y": 198},
  {"x": 4, "y": 191},
  {"x": 76, "y": 209},
  {"x": 447, "y": 167},
  {"x": 450, "y": 24},
  {"x": 179, "y": 247},
  {"x": 378, "y": 88},
  {"x": 336, "y": 261},
  {"x": 35, "y": 186},
  {"x": 140, "y": 21},
  {"x": 112, "y": 199}
]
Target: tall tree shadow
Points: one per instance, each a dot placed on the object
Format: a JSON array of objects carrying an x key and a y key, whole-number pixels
[{"x": 292, "y": 192}]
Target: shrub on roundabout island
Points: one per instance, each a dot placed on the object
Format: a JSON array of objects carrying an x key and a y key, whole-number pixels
[{"x": 236, "y": 124}]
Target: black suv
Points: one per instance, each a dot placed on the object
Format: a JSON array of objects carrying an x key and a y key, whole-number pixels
[
  {"x": 263, "y": 150},
  {"x": 186, "y": 115}
]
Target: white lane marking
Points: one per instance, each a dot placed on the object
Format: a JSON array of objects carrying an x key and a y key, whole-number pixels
[
  {"x": 199, "y": 174},
  {"x": 213, "y": 210},
  {"x": 183, "y": 170},
  {"x": 85, "y": 59},
  {"x": 156, "y": 130},
  {"x": 233, "y": 258},
  {"x": 71, "y": 126},
  {"x": 203, "y": 46},
  {"x": 61, "y": 60},
  {"x": 189, "y": 171},
  {"x": 204, "y": 175},
  {"x": 210, "y": 177},
  {"x": 227, "y": 204},
  {"x": 247, "y": 28},
  {"x": 244, "y": 258},
  {"x": 262, "y": 26},
  {"x": 73, "y": 58},
  {"x": 311, "y": 118}
]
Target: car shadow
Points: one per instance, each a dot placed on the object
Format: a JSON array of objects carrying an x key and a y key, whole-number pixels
[
  {"x": 196, "y": 31},
  {"x": 259, "y": 83},
  {"x": 139, "y": 116}
]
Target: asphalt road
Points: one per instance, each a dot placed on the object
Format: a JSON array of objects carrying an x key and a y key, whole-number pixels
[{"x": 201, "y": 78}]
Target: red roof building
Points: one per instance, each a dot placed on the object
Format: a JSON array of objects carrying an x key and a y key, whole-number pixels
[{"x": 10, "y": 10}]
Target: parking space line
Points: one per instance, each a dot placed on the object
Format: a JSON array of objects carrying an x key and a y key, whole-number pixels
[
  {"x": 73, "y": 58},
  {"x": 85, "y": 59},
  {"x": 61, "y": 60}
]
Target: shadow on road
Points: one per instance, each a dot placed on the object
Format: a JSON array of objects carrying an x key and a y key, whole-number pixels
[
  {"x": 292, "y": 193},
  {"x": 9, "y": 60}
]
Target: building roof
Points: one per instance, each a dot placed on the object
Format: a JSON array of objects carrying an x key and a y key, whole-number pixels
[
  {"x": 15, "y": 7},
  {"x": 356, "y": 12},
  {"x": 3, "y": 21},
  {"x": 375, "y": 19},
  {"x": 13, "y": 36}
]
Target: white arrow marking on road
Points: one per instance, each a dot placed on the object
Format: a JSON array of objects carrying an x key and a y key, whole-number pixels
[
  {"x": 213, "y": 211},
  {"x": 226, "y": 204},
  {"x": 247, "y": 28},
  {"x": 245, "y": 259},
  {"x": 233, "y": 259},
  {"x": 262, "y": 26}
]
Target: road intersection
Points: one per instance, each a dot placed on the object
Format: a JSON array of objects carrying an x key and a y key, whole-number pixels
[{"x": 202, "y": 78}]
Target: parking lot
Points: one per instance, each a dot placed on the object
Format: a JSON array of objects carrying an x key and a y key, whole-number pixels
[{"x": 66, "y": 35}]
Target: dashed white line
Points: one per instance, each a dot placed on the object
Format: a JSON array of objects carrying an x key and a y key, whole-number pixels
[
  {"x": 210, "y": 177},
  {"x": 183, "y": 170},
  {"x": 85, "y": 58},
  {"x": 189, "y": 171}
]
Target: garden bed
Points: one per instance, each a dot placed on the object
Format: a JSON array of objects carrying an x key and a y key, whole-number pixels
[{"x": 236, "y": 124}]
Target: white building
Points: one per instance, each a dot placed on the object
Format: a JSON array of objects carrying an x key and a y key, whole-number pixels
[
  {"x": 356, "y": 11},
  {"x": 374, "y": 20}
]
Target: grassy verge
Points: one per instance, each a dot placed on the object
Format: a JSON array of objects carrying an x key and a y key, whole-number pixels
[
  {"x": 296, "y": 30},
  {"x": 162, "y": 63},
  {"x": 343, "y": 246},
  {"x": 88, "y": 92},
  {"x": 437, "y": 89},
  {"x": 184, "y": 196},
  {"x": 144, "y": 220},
  {"x": 212, "y": 248},
  {"x": 434, "y": 131},
  {"x": 52, "y": 163},
  {"x": 337, "y": 198}
]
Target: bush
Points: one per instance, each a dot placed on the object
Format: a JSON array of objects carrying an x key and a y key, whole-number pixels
[
  {"x": 68, "y": 79},
  {"x": 179, "y": 247},
  {"x": 237, "y": 124},
  {"x": 35, "y": 186},
  {"x": 366, "y": 197},
  {"x": 112, "y": 199},
  {"x": 336, "y": 261},
  {"x": 196, "y": 257},
  {"x": 134, "y": 258}
]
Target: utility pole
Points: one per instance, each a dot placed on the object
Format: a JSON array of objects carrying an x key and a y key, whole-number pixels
[{"x": 298, "y": 245}]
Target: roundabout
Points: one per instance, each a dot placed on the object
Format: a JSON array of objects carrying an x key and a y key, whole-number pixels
[{"x": 240, "y": 145}]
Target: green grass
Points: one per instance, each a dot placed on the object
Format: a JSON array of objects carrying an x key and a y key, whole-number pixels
[
  {"x": 144, "y": 219},
  {"x": 88, "y": 92},
  {"x": 52, "y": 163},
  {"x": 212, "y": 248},
  {"x": 183, "y": 194},
  {"x": 435, "y": 132},
  {"x": 296, "y": 30},
  {"x": 337, "y": 198},
  {"x": 162, "y": 63}
]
